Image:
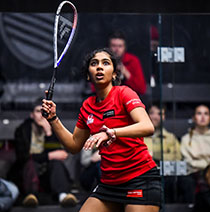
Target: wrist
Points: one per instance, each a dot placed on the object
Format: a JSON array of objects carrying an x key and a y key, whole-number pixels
[
  {"x": 111, "y": 133},
  {"x": 48, "y": 133},
  {"x": 54, "y": 118}
]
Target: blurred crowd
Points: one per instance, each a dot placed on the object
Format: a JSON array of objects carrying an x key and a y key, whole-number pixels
[{"x": 35, "y": 163}]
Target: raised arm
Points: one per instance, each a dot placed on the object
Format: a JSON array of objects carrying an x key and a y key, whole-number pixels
[{"x": 73, "y": 142}]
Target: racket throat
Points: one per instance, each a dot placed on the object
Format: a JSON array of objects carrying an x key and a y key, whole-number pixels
[{"x": 52, "y": 83}]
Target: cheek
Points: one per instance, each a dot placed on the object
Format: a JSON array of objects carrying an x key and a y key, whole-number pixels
[
  {"x": 90, "y": 73},
  {"x": 207, "y": 119}
]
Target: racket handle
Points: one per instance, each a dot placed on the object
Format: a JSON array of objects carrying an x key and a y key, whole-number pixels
[
  {"x": 49, "y": 96},
  {"x": 49, "y": 93},
  {"x": 45, "y": 114}
]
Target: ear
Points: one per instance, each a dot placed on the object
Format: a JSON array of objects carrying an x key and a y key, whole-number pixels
[
  {"x": 88, "y": 77},
  {"x": 114, "y": 75}
]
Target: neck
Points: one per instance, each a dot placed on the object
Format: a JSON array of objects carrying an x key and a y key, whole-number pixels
[
  {"x": 201, "y": 130},
  {"x": 102, "y": 93}
]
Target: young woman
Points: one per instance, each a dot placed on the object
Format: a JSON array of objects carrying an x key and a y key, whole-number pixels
[
  {"x": 195, "y": 149},
  {"x": 115, "y": 121}
]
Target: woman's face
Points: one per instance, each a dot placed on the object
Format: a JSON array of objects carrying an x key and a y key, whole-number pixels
[
  {"x": 202, "y": 116},
  {"x": 101, "y": 70},
  {"x": 154, "y": 114}
]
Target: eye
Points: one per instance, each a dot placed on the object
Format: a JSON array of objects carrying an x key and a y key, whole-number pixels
[
  {"x": 106, "y": 63},
  {"x": 93, "y": 63}
]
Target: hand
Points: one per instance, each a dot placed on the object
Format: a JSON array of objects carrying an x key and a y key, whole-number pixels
[
  {"x": 57, "y": 155},
  {"x": 96, "y": 139},
  {"x": 42, "y": 122},
  {"x": 50, "y": 107},
  {"x": 124, "y": 71},
  {"x": 95, "y": 157}
]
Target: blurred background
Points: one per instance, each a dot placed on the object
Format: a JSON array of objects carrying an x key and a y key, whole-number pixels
[{"x": 177, "y": 75}]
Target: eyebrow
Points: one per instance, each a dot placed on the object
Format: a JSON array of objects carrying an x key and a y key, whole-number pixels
[{"x": 101, "y": 59}]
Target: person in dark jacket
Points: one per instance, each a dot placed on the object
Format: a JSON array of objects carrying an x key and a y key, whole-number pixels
[{"x": 40, "y": 161}]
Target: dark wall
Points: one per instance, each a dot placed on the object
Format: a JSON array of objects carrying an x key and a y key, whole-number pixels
[
  {"x": 189, "y": 31},
  {"x": 120, "y": 6}
]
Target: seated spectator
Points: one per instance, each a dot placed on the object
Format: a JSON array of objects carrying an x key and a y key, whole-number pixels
[
  {"x": 171, "y": 149},
  {"x": 195, "y": 149},
  {"x": 40, "y": 161},
  {"x": 130, "y": 66},
  {"x": 8, "y": 194},
  {"x": 90, "y": 160},
  {"x": 171, "y": 146}
]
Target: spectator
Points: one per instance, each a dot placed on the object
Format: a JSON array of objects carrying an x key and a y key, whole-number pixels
[
  {"x": 171, "y": 146},
  {"x": 195, "y": 149},
  {"x": 8, "y": 194},
  {"x": 40, "y": 160},
  {"x": 90, "y": 160},
  {"x": 171, "y": 150},
  {"x": 130, "y": 66}
]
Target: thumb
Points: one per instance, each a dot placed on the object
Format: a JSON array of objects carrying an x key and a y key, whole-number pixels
[{"x": 46, "y": 94}]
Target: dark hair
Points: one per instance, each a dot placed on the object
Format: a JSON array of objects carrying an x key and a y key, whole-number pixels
[
  {"x": 114, "y": 60},
  {"x": 157, "y": 105},
  {"x": 36, "y": 102},
  {"x": 203, "y": 105},
  {"x": 118, "y": 34}
]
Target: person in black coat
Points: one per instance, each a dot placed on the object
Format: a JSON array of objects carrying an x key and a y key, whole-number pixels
[{"x": 39, "y": 165}]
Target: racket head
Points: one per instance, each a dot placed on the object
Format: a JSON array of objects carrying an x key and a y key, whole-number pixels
[{"x": 64, "y": 30}]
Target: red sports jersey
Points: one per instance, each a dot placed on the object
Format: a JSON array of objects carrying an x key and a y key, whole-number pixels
[{"x": 125, "y": 158}]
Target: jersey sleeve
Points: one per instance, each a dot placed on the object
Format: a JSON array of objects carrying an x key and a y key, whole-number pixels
[
  {"x": 130, "y": 99},
  {"x": 81, "y": 121}
]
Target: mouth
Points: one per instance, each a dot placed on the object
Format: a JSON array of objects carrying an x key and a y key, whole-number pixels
[{"x": 99, "y": 76}]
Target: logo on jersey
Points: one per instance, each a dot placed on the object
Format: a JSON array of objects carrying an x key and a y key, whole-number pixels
[
  {"x": 108, "y": 114},
  {"x": 90, "y": 119},
  {"x": 135, "y": 193},
  {"x": 133, "y": 101}
]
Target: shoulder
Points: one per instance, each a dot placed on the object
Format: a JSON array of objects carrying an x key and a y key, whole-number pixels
[
  {"x": 88, "y": 101},
  {"x": 170, "y": 136},
  {"x": 124, "y": 90},
  {"x": 185, "y": 138},
  {"x": 24, "y": 128},
  {"x": 208, "y": 132},
  {"x": 167, "y": 133},
  {"x": 130, "y": 57},
  {"x": 25, "y": 124}
]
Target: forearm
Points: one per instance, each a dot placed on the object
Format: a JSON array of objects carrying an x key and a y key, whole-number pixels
[
  {"x": 199, "y": 164},
  {"x": 135, "y": 130}
]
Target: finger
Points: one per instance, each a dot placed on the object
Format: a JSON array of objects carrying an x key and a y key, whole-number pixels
[
  {"x": 109, "y": 142},
  {"x": 46, "y": 108},
  {"x": 100, "y": 140},
  {"x": 86, "y": 145},
  {"x": 89, "y": 143},
  {"x": 94, "y": 141},
  {"x": 46, "y": 93}
]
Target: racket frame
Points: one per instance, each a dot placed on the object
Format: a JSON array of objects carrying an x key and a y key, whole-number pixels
[{"x": 57, "y": 60}]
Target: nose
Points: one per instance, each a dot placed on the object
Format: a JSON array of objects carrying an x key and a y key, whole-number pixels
[{"x": 99, "y": 66}]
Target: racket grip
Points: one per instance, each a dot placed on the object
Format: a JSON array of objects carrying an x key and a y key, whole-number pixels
[
  {"x": 49, "y": 96},
  {"x": 45, "y": 114}
]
